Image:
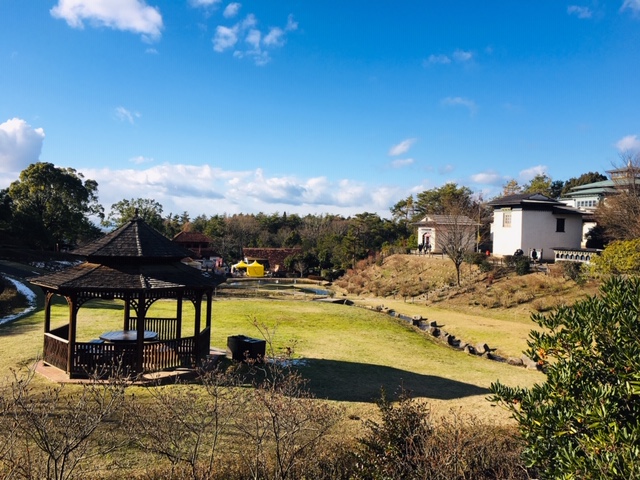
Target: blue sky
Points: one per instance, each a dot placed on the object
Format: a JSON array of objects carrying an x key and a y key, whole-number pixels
[{"x": 215, "y": 107}]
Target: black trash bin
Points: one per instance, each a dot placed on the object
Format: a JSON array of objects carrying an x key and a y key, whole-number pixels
[{"x": 243, "y": 348}]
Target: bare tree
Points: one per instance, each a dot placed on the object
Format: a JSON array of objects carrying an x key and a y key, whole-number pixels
[
  {"x": 619, "y": 214},
  {"x": 184, "y": 426},
  {"x": 53, "y": 427},
  {"x": 456, "y": 235},
  {"x": 284, "y": 425}
]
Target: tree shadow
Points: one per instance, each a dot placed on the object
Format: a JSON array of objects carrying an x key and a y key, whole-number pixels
[{"x": 361, "y": 382}]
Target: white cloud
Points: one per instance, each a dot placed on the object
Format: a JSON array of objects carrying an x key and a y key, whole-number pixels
[
  {"x": 259, "y": 42},
  {"x": 225, "y": 38},
  {"x": 630, "y": 143},
  {"x": 231, "y": 10},
  {"x": 253, "y": 38},
  {"x": 402, "y": 162},
  {"x": 487, "y": 178},
  {"x": 291, "y": 24},
  {"x": 275, "y": 37},
  {"x": 633, "y": 5},
  {"x": 125, "y": 115},
  {"x": 249, "y": 21},
  {"x": 402, "y": 147},
  {"x": 580, "y": 12},
  {"x": 529, "y": 173},
  {"x": 462, "y": 56},
  {"x": 460, "y": 102},
  {"x": 438, "y": 59},
  {"x": 204, "y": 3},
  {"x": 202, "y": 189},
  {"x": 127, "y": 15},
  {"x": 444, "y": 169},
  {"x": 20, "y": 146}
]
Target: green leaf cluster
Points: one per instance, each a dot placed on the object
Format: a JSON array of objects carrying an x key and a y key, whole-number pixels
[
  {"x": 583, "y": 422},
  {"x": 621, "y": 257}
]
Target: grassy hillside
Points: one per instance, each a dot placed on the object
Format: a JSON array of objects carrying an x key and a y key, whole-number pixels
[{"x": 493, "y": 307}]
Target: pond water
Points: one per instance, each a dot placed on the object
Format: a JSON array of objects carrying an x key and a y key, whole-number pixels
[{"x": 276, "y": 284}]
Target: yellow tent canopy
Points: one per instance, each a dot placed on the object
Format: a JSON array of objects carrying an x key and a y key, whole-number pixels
[
  {"x": 255, "y": 270},
  {"x": 240, "y": 264}
]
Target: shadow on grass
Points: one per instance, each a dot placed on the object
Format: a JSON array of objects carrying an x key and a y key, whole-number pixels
[{"x": 360, "y": 382}]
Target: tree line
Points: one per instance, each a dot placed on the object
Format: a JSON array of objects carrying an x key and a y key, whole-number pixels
[{"x": 50, "y": 208}]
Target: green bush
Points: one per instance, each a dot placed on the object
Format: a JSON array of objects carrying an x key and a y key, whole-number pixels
[
  {"x": 583, "y": 422},
  {"x": 621, "y": 257},
  {"x": 486, "y": 266},
  {"x": 475, "y": 258},
  {"x": 408, "y": 445},
  {"x": 522, "y": 265},
  {"x": 574, "y": 271}
]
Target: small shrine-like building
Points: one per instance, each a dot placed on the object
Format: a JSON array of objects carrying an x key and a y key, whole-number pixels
[{"x": 139, "y": 266}]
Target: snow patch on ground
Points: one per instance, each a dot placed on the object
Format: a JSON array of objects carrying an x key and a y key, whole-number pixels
[{"x": 29, "y": 295}]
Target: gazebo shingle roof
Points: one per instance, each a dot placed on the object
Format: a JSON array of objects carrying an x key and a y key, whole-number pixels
[
  {"x": 133, "y": 257},
  {"x": 135, "y": 239}
]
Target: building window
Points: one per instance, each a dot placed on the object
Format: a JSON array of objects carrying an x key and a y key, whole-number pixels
[
  {"x": 559, "y": 224},
  {"x": 506, "y": 219}
]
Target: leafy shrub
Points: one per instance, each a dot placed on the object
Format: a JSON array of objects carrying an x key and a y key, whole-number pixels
[
  {"x": 584, "y": 420},
  {"x": 475, "y": 258},
  {"x": 620, "y": 257},
  {"x": 408, "y": 445},
  {"x": 522, "y": 265},
  {"x": 573, "y": 271},
  {"x": 486, "y": 266}
]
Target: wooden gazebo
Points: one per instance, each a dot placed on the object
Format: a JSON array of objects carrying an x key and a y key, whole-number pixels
[{"x": 138, "y": 265}]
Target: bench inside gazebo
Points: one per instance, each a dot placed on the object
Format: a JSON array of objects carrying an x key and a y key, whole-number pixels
[{"x": 137, "y": 265}]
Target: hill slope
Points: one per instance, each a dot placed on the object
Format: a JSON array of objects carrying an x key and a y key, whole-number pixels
[{"x": 493, "y": 308}]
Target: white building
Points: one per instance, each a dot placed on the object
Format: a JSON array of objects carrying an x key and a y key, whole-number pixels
[
  {"x": 434, "y": 231},
  {"x": 534, "y": 221}
]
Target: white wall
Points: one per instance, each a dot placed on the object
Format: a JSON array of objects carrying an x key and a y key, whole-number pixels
[
  {"x": 539, "y": 232},
  {"x": 534, "y": 229},
  {"x": 506, "y": 240}
]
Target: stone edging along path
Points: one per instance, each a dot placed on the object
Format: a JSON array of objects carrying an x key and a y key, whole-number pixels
[{"x": 432, "y": 328}]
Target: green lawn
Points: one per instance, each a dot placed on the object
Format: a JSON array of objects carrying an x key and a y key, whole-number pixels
[{"x": 347, "y": 353}]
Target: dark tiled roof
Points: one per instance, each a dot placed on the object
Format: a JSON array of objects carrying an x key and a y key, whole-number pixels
[
  {"x": 446, "y": 220},
  {"x": 135, "y": 239},
  {"x": 521, "y": 198},
  {"x": 92, "y": 276}
]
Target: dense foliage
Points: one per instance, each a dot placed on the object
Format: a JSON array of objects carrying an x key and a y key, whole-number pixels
[
  {"x": 583, "y": 422},
  {"x": 621, "y": 257},
  {"x": 50, "y": 206}
]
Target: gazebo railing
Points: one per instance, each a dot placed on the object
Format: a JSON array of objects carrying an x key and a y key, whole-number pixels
[
  {"x": 166, "y": 328},
  {"x": 103, "y": 359},
  {"x": 55, "y": 351},
  {"x": 169, "y": 354}
]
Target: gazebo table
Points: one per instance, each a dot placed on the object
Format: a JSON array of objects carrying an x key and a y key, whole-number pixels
[{"x": 121, "y": 336}]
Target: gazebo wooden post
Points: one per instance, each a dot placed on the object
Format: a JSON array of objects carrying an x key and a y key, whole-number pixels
[
  {"x": 72, "y": 300},
  {"x": 47, "y": 311},
  {"x": 196, "y": 328},
  {"x": 209, "y": 304},
  {"x": 127, "y": 312},
  {"x": 142, "y": 313},
  {"x": 179, "y": 315}
]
